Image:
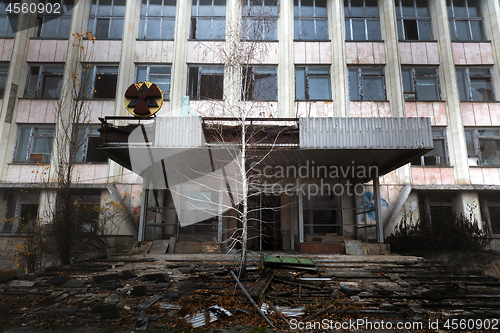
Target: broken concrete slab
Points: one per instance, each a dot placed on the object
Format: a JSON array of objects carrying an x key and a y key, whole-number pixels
[
  {"x": 22, "y": 284},
  {"x": 75, "y": 283},
  {"x": 58, "y": 280},
  {"x": 125, "y": 275},
  {"x": 106, "y": 277},
  {"x": 354, "y": 247},
  {"x": 160, "y": 246}
]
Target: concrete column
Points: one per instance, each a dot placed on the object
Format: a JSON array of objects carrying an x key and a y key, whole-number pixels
[
  {"x": 491, "y": 14},
  {"x": 449, "y": 92},
  {"x": 234, "y": 58},
  {"x": 286, "y": 69},
  {"x": 467, "y": 203},
  {"x": 179, "y": 65},
  {"x": 339, "y": 77}
]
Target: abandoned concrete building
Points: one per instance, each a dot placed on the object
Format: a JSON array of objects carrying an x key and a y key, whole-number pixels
[{"x": 406, "y": 87}]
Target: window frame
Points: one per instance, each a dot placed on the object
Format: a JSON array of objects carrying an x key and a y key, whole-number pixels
[
  {"x": 476, "y": 144},
  {"x": 349, "y": 18},
  {"x": 413, "y": 81},
  {"x": 313, "y": 204},
  {"x": 425, "y": 204},
  {"x": 88, "y": 132},
  {"x": 62, "y": 32},
  {"x": 95, "y": 16},
  {"x": 401, "y": 18},
  {"x": 468, "y": 83},
  {"x": 486, "y": 203},
  {"x": 307, "y": 76},
  {"x": 195, "y": 17},
  {"x": 91, "y": 81},
  {"x": 443, "y": 138},
  {"x": 210, "y": 70},
  {"x": 9, "y": 29},
  {"x": 298, "y": 19},
  {"x": 251, "y": 17},
  {"x": 15, "y": 200},
  {"x": 253, "y": 71},
  {"x": 33, "y": 135},
  {"x": 4, "y": 73},
  {"x": 453, "y": 22},
  {"x": 360, "y": 79},
  {"x": 146, "y": 17},
  {"x": 39, "y": 91},
  {"x": 166, "y": 96}
]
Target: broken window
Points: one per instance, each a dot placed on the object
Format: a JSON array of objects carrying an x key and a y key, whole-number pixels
[
  {"x": 312, "y": 83},
  {"x": 208, "y": 19},
  {"x": 44, "y": 81},
  {"x": 310, "y": 20},
  {"x": 55, "y": 26},
  {"x": 89, "y": 141},
  {"x": 21, "y": 211},
  {"x": 420, "y": 84},
  {"x": 322, "y": 215},
  {"x": 158, "y": 74},
  {"x": 259, "y": 20},
  {"x": 475, "y": 84},
  {"x": 106, "y": 19},
  {"x": 34, "y": 144},
  {"x": 206, "y": 82},
  {"x": 362, "y": 21},
  {"x": 490, "y": 212},
  {"x": 88, "y": 202},
  {"x": 100, "y": 81},
  {"x": 366, "y": 84},
  {"x": 157, "y": 20},
  {"x": 433, "y": 207},
  {"x": 260, "y": 83},
  {"x": 483, "y": 146},
  {"x": 437, "y": 156},
  {"x": 8, "y": 23},
  {"x": 4, "y": 69},
  {"x": 466, "y": 20},
  {"x": 414, "y": 20}
]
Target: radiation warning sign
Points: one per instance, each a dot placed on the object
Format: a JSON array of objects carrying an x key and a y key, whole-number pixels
[{"x": 143, "y": 99}]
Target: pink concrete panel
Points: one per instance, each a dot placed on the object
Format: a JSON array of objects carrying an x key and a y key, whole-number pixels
[
  {"x": 418, "y": 53},
  {"x": 405, "y": 53},
  {"x": 320, "y": 109},
  {"x": 23, "y": 111},
  {"x": 325, "y": 52},
  {"x": 417, "y": 175},
  {"x": 101, "y": 50},
  {"x": 154, "y": 51},
  {"x": 495, "y": 114},
  {"x": 354, "y": 109},
  {"x": 447, "y": 176},
  {"x": 167, "y": 52},
  {"x": 312, "y": 53},
  {"x": 47, "y": 50},
  {"x": 378, "y": 53},
  {"x": 115, "y": 51},
  {"x": 467, "y": 114},
  {"x": 476, "y": 176},
  {"x": 458, "y": 53},
  {"x": 472, "y": 54},
  {"x": 6, "y": 50},
  {"x": 192, "y": 52},
  {"x": 50, "y": 115},
  {"x": 411, "y": 109},
  {"x": 61, "y": 50},
  {"x": 13, "y": 172},
  {"x": 432, "y": 176},
  {"x": 102, "y": 173},
  {"x": 440, "y": 113},
  {"x": 351, "y": 51},
  {"x": 432, "y": 53},
  {"x": 33, "y": 49},
  {"x": 486, "y": 53},
  {"x": 272, "y": 54},
  {"x": 108, "y": 108},
  {"x": 393, "y": 193},
  {"x": 491, "y": 176},
  {"x": 365, "y": 53},
  {"x": 384, "y": 109},
  {"x": 38, "y": 110},
  {"x": 482, "y": 114},
  {"x": 422, "y": 109},
  {"x": 299, "y": 52},
  {"x": 140, "y": 51}
]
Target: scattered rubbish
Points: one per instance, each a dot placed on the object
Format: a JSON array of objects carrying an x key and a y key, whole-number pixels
[
  {"x": 146, "y": 304},
  {"x": 22, "y": 283},
  {"x": 260, "y": 286},
  {"x": 289, "y": 312},
  {"x": 168, "y": 306},
  {"x": 215, "y": 312},
  {"x": 142, "y": 321},
  {"x": 290, "y": 262}
]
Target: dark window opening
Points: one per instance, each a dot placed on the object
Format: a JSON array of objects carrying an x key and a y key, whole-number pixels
[
  {"x": 206, "y": 82},
  {"x": 437, "y": 156},
  {"x": 312, "y": 83},
  {"x": 44, "y": 81},
  {"x": 483, "y": 146},
  {"x": 259, "y": 83},
  {"x": 4, "y": 68},
  {"x": 421, "y": 84},
  {"x": 362, "y": 21},
  {"x": 475, "y": 84}
]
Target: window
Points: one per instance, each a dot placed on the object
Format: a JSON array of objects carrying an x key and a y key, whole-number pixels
[
  {"x": 490, "y": 212},
  {"x": 34, "y": 144},
  {"x": 208, "y": 19},
  {"x": 475, "y": 84},
  {"x": 366, "y": 84},
  {"x": 206, "y": 82},
  {"x": 44, "y": 81},
  {"x": 88, "y": 202},
  {"x": 466, "y": 21},
  {"x": 101, "y": 81},
  {"x": 157, "y": 19},
  {"x": 420, "y": 84},
  {"x": 8, "y": 23},
  {"x": 312, "y": 83},
  {"x": 436, "y": 208},
  {"x": 323, "y": 215},
  {"x": 260, "y": 83},
  {"x": 259, "y": 20},
  {"x": 89, "y": 142},
  {"x": 414, "y": 20},
  {"x": 158, "y": 74},
  {"x": 22, "y": 209},
  {"x": 483, "y": 146},
  {"x": 4, "y": 69},
  {"x": 437, "y": 156},
  {"x": 106, "y": 18},
  {"x": 362, "y": 20},
  {"x": 55, "y": 26},
  {"x": 310, "y": 20}
]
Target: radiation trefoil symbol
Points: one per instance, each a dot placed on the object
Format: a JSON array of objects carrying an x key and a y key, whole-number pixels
[{"x": 143, "y": 99}]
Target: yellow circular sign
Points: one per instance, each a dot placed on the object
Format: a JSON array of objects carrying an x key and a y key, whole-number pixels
[{"x": 143, "y": 99}]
